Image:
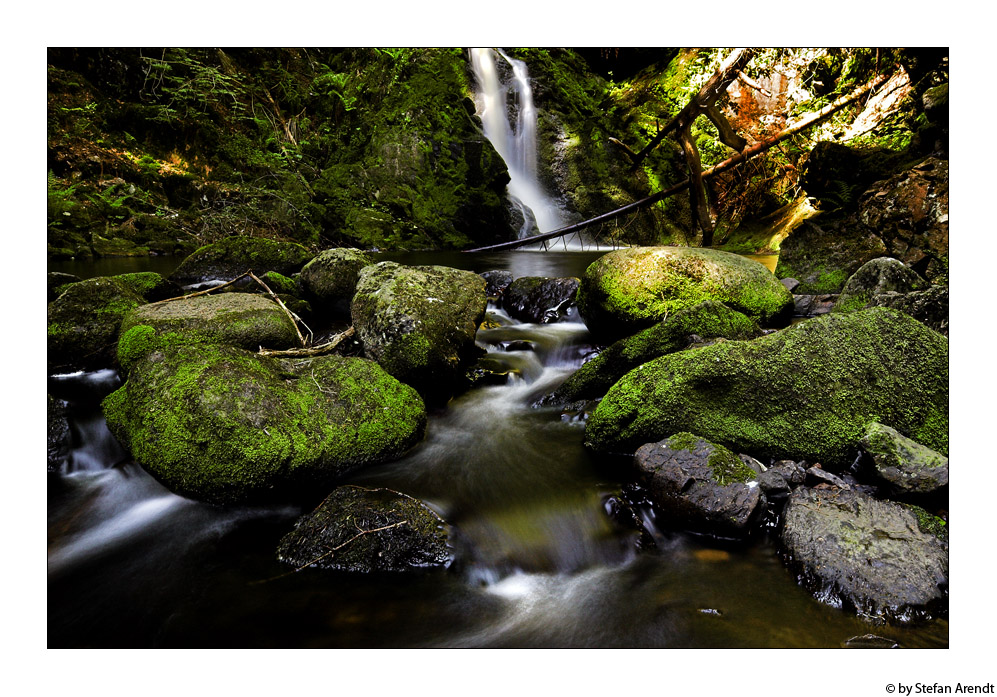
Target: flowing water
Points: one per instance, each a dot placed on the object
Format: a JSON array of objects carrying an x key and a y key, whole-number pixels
[{"x": 539, "y": 561}]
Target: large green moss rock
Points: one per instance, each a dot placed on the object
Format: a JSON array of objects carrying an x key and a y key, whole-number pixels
[
  {"x": 238, "y": 319},
  {"x": 875, "y": 277},
  {"x": 707, "y": 320},
  {"x": 419, "y": 322},
  {"x": 366, "y": 530},
  {"x": 806, "y": 392},
  {"x": 233, "y": 256},
  {"x": 630, "y": 289},
  {"x": 331, "y": 277},
  {"x": 223, "y": 425},
  {"x": 83, "y": 323}
]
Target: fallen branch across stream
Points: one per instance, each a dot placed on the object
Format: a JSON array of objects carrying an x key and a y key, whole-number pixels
[{"x": 743, "y": 156}]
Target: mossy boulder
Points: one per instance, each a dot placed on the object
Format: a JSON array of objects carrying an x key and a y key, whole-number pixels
[
  {"x": 224, "y": 425},
  {"x": 538, "y": 299},
  {"x": 233, "y": 256},
  {"x": 367, "y": 530},
  {"x": 83, "y": 323},
  {"x": 331, "y": 277},
  {"x": 150, "y": 285},
  {"x": 631, "y": 289},
  {"x": 57, "y": 282},
  {"x": 700, "y": 486},
  {"x": 822, "y": 253},
  {"x": 806, "y": 392},
  {"x": 419, "y": 322},
  {"x": 707, "y": 320},
  {"x": 907, "y": 466},
  {"x": 281, "y": 284},
  {"x": 876, "y": 557},
  {"x": 877, "y": 276},
  {"x": 238, "y": 319}
]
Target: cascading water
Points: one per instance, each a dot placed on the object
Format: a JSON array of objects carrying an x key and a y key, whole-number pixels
[{"x": 514, "y": 138}]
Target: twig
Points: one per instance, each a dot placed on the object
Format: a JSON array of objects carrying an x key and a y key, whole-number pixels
[
  {"x": 282, "y": 306},
  {"x": 202, "y": 292},
  {"x": 314, "y": 350}
]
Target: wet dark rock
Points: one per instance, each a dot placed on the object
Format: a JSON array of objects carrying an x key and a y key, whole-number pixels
[
  {"x": 224, "y": 425},
  {"x": 83, "y": 323},
  {"x": 909, "y": 467},
  {"x": 813, "y": 305},
  {"x": 60, "y": 438},
  {"x": 708, "y": 319},
  {"x": 368, "y": 530},
  {"x": 496, "y": 282},
  {"x": 869, "y": 641},
  {"x": 880, "y": 275},
  {"x": 700, "y": 486},
  {"x": 929, "y": 306},
  {"x": 770, "y": 396},
  {"x": 874, "y": 556},
  {"x": 539, "y": 300},
  {"x": 56, "y": 280},
  {"x": 818, "y": 475},
  {"x": 793, "y": 472},
  {"x": 517, "y": 345},
  {"x": 774, "y": 485},
  {"x": 790, "y": 283},
  {"x": 233, "y": 256},
  {"x": 330, "y": 279},
  {"x": 419, "y": 323}
]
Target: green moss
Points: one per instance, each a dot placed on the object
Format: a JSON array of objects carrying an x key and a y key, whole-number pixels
[
  {"x": 728, "y": 468},
  {"x": 928, "y": 523},
  {"x": 683, "y": 441}
]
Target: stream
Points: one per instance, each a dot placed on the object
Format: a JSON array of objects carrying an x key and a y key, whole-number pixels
[{"x": 540, "y": 562}]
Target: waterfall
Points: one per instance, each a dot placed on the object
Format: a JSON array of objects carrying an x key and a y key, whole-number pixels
[{"x": 510, "y": 122}]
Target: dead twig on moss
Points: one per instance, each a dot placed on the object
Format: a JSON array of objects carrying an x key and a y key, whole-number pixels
[{"x": 319, "y": 350}]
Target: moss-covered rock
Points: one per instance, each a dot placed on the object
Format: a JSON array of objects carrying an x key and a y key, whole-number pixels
[
  {"x": 57, "y": 281},
  {"x": 909, "y": 467},
  {"x": 866, "y": 554},
  {"x": 630, "y": 289},
  {"x": 151, "y": 286},
  {"x": 880, "y": 275},
  {"x": 281, "y": 284},
  {"x": 367, "y": 530},
  {"x": 237, "y": 319},
  {"x": 233, "y": 256},
  {"x": 331, "y": 277},
  {"x": 707, "y": 320},
  {"x": 929, "y": 306},
  {"x": 806, "y": 392},
  {"x": 419, "y": 322},
  {"x": 700, "y": 486},
  {"x": 83, "y": 323},
  {"x": 220, "y": 424},
  {"x": 822, "y": 253}
]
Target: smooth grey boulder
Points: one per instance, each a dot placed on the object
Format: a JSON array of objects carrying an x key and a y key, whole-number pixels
[
  {"x": 908, "y": 466},
  {"x": 700, "y": 486},
  {"x": 365, "y": 530},
  {"x": 875, "y": 277},
  {"x": 878, "y": 557}
]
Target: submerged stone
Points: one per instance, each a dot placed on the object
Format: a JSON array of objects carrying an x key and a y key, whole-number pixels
[
  {"x": 419, "y": 323},
  {"x": 806, "y": 392},
  {"x": 700, "y": 486},
  {"x": 223, "y": 425},
  {"x": 238, "y": 319},
  {"x": 909, "y": 467},
  {"x": 233, "y": 256},
  {"x": 707, "y": 320},
  {"x": 367, "y": 530},
  {"x": 871, "y": 555},
  {"x": 630, "y": 289}
]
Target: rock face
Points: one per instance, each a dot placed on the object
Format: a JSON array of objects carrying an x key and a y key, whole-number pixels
[
  {"x": 366, "y": 530},
  {"x": 930, "y": 306},
  {"x": 823, "y": 253},
  {"x": 83, "y": 323},
  {"x": 698, "y": 485},
  {"x": 419, "y": 322},
  {"x": 806, "y": 392},
  {"x": 630, "y": 289},
  {"x": 331, "y": 277},
  {"x": 238, "y": 319},
  {"x": 707, "y": 320},
  {"x": 539, "y": 300},
  {"x": 224, "y": 425},
  {"x": 873, "y": 555},
  {"x": 910, "y": 213},
  {"x": 233, "y": 256},
  {"x": 880, "y": 275},
  {"x": 909, "y": 467}
]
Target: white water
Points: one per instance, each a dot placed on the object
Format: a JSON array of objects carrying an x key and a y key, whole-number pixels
[{"x": 514, "y": 135}]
